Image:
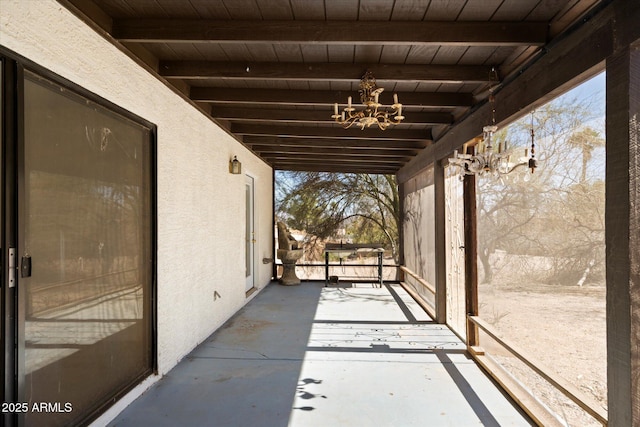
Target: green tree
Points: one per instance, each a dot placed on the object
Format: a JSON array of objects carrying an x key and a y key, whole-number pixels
[
  {"x": 321, "y": 203},
  {"x": 586, "y": 140}
]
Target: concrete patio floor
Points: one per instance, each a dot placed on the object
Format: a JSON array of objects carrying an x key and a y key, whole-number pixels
[{"x": 311, "y": 355}]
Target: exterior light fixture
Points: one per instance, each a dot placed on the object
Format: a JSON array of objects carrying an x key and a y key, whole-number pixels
[
  {"x": 373, "y": 112},
  {"x": 235, "y": 167},
  {"x": 487, "y": 160}
]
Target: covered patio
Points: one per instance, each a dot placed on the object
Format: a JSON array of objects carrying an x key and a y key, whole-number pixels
[
  {"x": 349, "y": 355},
  {"x": 140, "y": 145}
]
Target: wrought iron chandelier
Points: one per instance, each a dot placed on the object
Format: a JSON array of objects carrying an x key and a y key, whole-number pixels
[
  {"x": 373, "y": 113},
  {"x": 487, "y": 160}
]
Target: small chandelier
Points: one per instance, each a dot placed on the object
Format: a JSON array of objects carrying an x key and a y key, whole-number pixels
[
  {"x": 487, "y": 159},
  {"x": 374, "y": 112}
]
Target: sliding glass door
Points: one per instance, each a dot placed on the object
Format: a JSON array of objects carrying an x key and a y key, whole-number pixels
[{"x": 84, "y": 258}]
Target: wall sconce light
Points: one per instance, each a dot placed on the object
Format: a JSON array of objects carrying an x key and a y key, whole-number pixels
[{"x": 235, "y": 167}]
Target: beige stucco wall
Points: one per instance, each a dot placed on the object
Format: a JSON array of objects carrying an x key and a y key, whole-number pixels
[{"x": 201, "y": 207}]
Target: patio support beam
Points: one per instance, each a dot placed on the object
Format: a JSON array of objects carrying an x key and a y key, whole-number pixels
[
  {"x": 622, "y": 225},
  {"x": 402, "y": 193},
  {"x": 470, "y": 258},
  {"x": 440, "y": 243},
  {"x": 274, "y": 266},
  {"x": 459, "y": 33}
]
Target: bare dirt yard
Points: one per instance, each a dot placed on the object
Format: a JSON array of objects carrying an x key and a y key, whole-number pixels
[{"x": 563, "y": 327}]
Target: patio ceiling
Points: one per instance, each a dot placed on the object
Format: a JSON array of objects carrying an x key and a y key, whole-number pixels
[{"x": 269, "y": 71}]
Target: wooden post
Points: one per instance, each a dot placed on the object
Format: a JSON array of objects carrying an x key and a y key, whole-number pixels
[
  {"x": 440, "y": 242},
  {"x": 401, "y": 196},
  {"x": 274, "y": 267},
  {"x": 622, "y": 220},
  {"x": 470, "y": 257}
]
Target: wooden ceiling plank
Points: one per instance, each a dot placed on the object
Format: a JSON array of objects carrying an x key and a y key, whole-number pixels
[
  {"x": 479, "y": 11},
  {"x": 179, "y": 10},
  {"x": 345, "y": 10},
  {"x": 242, "y": 9},
  {"x": 248, "y": 70},
  {"x": 330, "y": 132},
  {"x": 331, "y": 32},
  {"x": 375, "y": 10},
  {"x": 308, "y": 9},
  {"x": 326, "y": 98},
  {"x": 444, "y": 9},
  {"x": 275, "y": 9},
  {"x": 513, "y": 10},
  {"x": 409, "y": 10},
  {"x": 208, "y": 9}
]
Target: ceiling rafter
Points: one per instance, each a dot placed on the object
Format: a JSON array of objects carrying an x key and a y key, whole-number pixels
[
  {"x": 324, "y": 71},
  {"x": 251, "y": 140},
  {"x": 339, "y": 168},
  {"x": 330, "y": 132},
  {"x": 331, "y": 151},
  {"x": 463, "y": 33},
  {"x": 322, "y": 97},
  {"x": 315, "y": 158}
]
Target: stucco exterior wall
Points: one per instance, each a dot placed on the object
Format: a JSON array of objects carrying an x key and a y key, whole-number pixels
[{"x": 201, "y": 206}]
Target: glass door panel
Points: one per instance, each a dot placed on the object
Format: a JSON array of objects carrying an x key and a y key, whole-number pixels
[{"x": 85, "y": 251}]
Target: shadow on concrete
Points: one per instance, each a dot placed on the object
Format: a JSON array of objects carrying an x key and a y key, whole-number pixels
[{"x": 314, "y": 356}]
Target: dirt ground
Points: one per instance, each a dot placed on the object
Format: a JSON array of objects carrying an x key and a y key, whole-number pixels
[{"x": 563, "y": 327}]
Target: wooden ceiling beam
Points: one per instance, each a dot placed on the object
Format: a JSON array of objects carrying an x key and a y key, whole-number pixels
[
  {"x": 322, "y": 97},
  {"x": 313, "y": 116},
  {"x": 319, "y": 159},
  {"x": 251, "y": 140},
  {"x": 335, "y": 168},
  {"x": 267, "y": 150},
  {"x": 330, "y": 132},
  {"x": 324, "y": 71},
  {"x": 459, "y": 33}
]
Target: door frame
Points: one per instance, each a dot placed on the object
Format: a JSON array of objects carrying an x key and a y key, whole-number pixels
[
  {"x": 12, "y": 67},
  {"x": 250, "y": 236}
]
